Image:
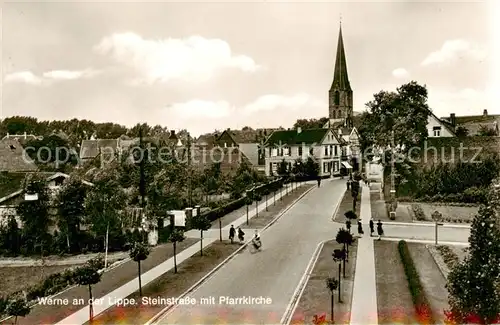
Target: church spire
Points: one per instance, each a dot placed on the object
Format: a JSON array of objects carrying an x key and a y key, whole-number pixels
[{"x": 340, "y": 77}]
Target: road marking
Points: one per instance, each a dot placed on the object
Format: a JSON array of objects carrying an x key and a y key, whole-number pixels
[
  {"x": 299, "y": 290},
  {"x": 170, "y": 308},
  {"x": 425, "y": 241}
]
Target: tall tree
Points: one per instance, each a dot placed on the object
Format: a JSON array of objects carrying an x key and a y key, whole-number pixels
[
  {"x": 474, "y": 284},
  {"x": 88, "y": 275},
  {"x": 70, "y": 201},
  {"x": 35, "y": 213},
  {"x": 312, "y": 123},
  {"x": 176, "y": 236},
  {"x": 139, "y": 252},
  {"x": 16, "y": 308}
]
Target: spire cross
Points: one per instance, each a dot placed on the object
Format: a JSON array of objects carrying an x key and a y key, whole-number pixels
[{"x": 340, "y": 19}]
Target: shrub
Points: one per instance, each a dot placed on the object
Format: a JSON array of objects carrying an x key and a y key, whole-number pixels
[
  {"x": 420, "y": 301},
  {"x": 449, "y": 257},
  {"x": 418, "y": 212}
]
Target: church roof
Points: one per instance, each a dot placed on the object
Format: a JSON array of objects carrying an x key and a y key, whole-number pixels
[{"x": 340, "y": 77}]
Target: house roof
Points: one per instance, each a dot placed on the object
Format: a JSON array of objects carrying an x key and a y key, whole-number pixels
[
  {"x": 251, "y": 151},
  {"x": 475, "y": 128},
  {"x": 229, "y": 158},
  {"x": 446, "y": 124},
  {"x": 205, "y": 140},
  {"x": 91, "y": 148},
  {"x": 13, "y": 157},
  {"x": 474, "y": 118},
  {"x": 292, "y": 137}
]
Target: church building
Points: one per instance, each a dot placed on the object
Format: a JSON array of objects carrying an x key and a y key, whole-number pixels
[{"x": 340, "y": 109}]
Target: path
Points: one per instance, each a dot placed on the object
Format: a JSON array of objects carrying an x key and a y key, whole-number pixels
[
  {"x": 81, "y": 316},
  {"x": 364, "y": 298},
  {"x": 272, "y": 274}
]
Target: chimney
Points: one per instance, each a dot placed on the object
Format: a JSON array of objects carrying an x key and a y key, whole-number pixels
[
  {"x": 299, "y": 129},
  {"x": 340, "y": 131},
  {"x": 453, "y": 120},
  {"x": 485, "y": 112},
  {"x": 25, "y": 132},
  {"x": 172, "y": 133}
]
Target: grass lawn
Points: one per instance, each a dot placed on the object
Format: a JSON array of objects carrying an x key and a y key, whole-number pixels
[
  {"x": 169, "y": 285},
  {"x": 432, "y": 280},
  {"x": 450, "y": 213},
  {"x": 265, "y": 217},
  {"x": 346, "y": 204},
  {"x": 394, "y": 301},
  {"x": 16, "y": 278},
  {"x": 316, "y": 299}
]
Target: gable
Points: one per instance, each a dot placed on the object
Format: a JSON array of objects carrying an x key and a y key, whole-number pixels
[{"x": 330, "y": 138}]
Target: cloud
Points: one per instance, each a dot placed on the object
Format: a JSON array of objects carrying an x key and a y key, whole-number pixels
[
  {"x": 273, "y": 102},
  {"x": 194, "y": 59},
  {"x": 400, "y": 73},
  {"x": 69, "y": 74},
  {"x": 48, "y": 77},
  {"x": 455, "y": 50},
  {"x": 23, "y": 77},
  {"x": 200, "y": 109}
]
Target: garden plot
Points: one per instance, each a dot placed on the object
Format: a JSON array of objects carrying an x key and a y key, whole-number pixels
[{"x": 450, "y": 213}]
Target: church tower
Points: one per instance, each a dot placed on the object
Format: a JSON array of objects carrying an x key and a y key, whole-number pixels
[{"x": 340, "y": 94}]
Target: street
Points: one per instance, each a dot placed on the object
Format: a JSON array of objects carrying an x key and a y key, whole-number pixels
[{"x": 269, "y": 277}]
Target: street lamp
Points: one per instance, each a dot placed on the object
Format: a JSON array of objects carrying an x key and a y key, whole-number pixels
[
  {"x": 437, "y": 217},
  {"x": 33, "y": 197}
]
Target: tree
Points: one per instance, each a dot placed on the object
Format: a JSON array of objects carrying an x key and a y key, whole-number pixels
[
  {"x": 202, "y": 223},
  {"x": 332, "y": 284},
  {"x": 57, "y": 153},
  {"x": 311, "y": 167},
  {"x": 88, "y": 275},
  {"x": 10, "y": 237},
  {"x": 18, "y": 307},
  {"x": 248, "y": 202},
  {"x": 176, "y": 236},
  {"x": 266, "y": 192},
  {"x": 35, "y": 214},
  {"x": 242, "y": 179},
  {"x": 474, "y": 284},
  {"x": 404, "y": 111},
  {"x": 355, "y": 193},
  {"x": 486, "y": 131},
  {"x": 310, "y": 123},
  {"x": 461, "y": 131},
  {"x": 282, "y": 169},
  {"x": 70, "y": 201},
  {"x": 139, "y": 252},
  {"x": 345, "y": 238},
  {"x": 339, "y": 256}
]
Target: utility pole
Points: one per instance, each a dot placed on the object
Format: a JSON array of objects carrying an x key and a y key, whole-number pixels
[
  {"x": 393, "y": 175},
  {"x": 142, "y": 181}
]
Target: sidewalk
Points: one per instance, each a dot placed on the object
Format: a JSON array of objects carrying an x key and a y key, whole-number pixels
[
  {"x": 109, "y": 300},
  {"x": 364, "y": 299}
]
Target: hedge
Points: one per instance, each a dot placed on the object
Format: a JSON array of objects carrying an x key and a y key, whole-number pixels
[
  {"x": 420, "y": 302},
  {"x": 215, "y": 214},
  {"x": 449, "y": 257},
  {"x": 419, "y": 212}
]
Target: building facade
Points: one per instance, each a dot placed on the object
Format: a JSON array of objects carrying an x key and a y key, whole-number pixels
[{"x": 323, "y": 145}]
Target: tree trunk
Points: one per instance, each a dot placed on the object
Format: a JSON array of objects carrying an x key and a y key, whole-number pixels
[
  {"x": 140, "y": 285},
  {"x": 274, "y": 198},
  {"x": 340, "y": 279},
  {"x": 106, "y": 247},
  {"x": 15, "y": 320},
  {"x": 220, "y": 229},
  {"x": 332, "y": 302},
  {"x": 256, "y": 208},
  {"x": 201, "y": 242},
  {"x": 343, "y": 269},
  {"x": 266, "y": 203},
  {"x": 91, "y": 305},
  {"x": 247, "y": 214},
  {"x": 175, "y": 257},
  {"x": 67, "y": 242}
]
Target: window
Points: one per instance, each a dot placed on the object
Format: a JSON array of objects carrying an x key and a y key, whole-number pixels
[
  {"x": 326, "y": 150},
  {"x": 311, "y": 151},
  {"x": 437, "y": 131},
  {"x": 300, "y": 151},
  {"x": 331, "y": 149},
  {"x": 273, "y": 152},
  {"x": 337, "y": 98},
  {"x": 336, "y": 150},
  {"x": 225, "y": 144},
  {"x": 288, "y": 151},
  {"x": 340, "y": 114}
]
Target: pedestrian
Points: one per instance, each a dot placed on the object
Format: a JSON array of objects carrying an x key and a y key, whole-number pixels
[
  {"x": 232, "y": 232},
  {"x": 372, "y": 226},
  {"x": 319, "y": 181},
  {"x": 380, "y": 230},
  {"x": 348, "y": 225},
  {"x": 360, "y": 228},
  {"x": 241, "y": 235}
]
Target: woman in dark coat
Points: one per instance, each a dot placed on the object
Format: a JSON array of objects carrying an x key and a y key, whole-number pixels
[
  {"x": 380, "y": 231},
  {"x": 360, "y": 228}
]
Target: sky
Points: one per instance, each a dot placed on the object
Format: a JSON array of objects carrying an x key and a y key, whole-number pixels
[{"x": 215, "y": 65}]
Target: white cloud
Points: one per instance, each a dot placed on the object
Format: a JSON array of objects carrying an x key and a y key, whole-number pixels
[
  {"x": 23, "y": 77},
  {"x": 194, "y": 59},
  {"x": 454, "y": 50},
  {"x": 274, "y": 102},
  {"x": 48, "y": 77},
  {"x": 69, "y": 74},
  {"x": 400, "y": 73},
  {"x": 200, "y": 109}
]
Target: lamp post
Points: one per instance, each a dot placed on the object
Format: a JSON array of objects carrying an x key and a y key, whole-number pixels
[
  {"x": 33, "y": 197},
  {"x": 437, "y": 217}
]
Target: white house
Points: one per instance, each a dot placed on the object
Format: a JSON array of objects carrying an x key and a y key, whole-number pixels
[
  {"x": 324, "y": 145},
  {"x": 438, "y": 128}
]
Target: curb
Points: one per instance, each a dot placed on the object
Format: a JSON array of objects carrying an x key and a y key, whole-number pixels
[
  {"x": 425, "y": 241},
  {"x": 292, "y": 305},
  {"x": 424, "y": 224},
  {"x": 337, "y": 207},
  {"x": 212, "y": 272}
]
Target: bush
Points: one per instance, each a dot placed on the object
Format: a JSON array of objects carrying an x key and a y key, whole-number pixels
[
  {"x": 420, "y": 301},
  {"x": 418, "y": 212},
  {"x": 475, "y": 195},
  {"x": 449, "y": 257}
]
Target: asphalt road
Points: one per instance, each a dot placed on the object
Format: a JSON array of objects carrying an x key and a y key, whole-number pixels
[{"x": 272, "y": 274}]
